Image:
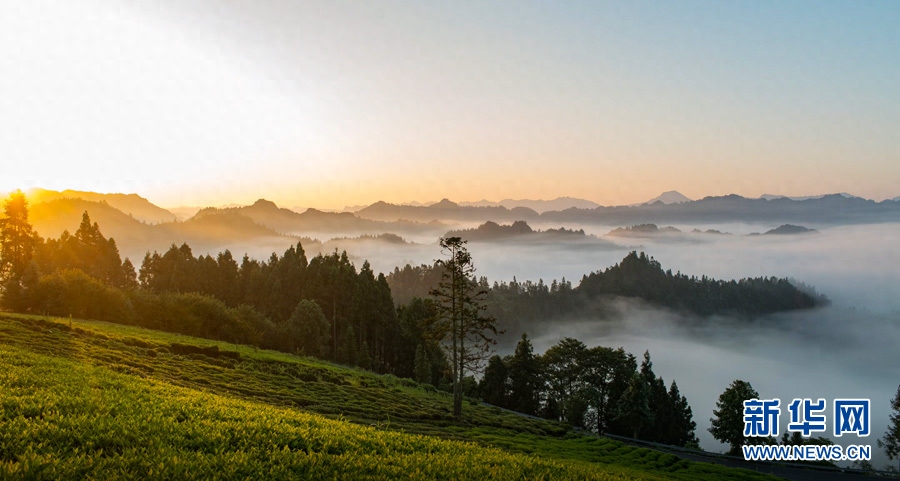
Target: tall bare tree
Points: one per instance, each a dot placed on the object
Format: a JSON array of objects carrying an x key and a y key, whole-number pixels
[{"x": 461, "y": 325}]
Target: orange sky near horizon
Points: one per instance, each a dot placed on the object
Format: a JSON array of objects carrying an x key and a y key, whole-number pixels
[{"x": 341, "y": 104}]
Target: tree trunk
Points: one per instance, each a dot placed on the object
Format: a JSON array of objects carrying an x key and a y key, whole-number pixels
[{"x": 454, "y": 310}]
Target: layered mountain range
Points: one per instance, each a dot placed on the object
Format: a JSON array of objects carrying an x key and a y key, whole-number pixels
[
  {"x": 831, "y": 209},
  {"x": 139, "y": 225}
]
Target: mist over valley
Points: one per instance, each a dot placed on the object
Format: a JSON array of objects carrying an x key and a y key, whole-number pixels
[{"x": 846, "y": 349}]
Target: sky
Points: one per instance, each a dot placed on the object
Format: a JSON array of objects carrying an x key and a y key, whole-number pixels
[{"x": 330, "y": 104}]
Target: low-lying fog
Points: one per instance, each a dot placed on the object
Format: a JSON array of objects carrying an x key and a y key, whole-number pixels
[
  {"x": 827, "y": 353},
  {"x": 848, "y": 350}
]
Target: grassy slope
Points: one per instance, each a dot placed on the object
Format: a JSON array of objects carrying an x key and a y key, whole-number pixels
[{"x": 84, "y": 399}]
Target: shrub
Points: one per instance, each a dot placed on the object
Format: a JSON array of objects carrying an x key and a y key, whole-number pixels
[{"x": 73, "y": 293}]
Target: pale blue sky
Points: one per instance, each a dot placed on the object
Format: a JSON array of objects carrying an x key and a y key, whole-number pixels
[{"x": 334, "y": 103}]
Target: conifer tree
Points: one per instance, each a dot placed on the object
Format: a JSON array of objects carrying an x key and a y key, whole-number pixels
[
  {"x": 524, "y": 378},
  {"x": 422, "y": 370},
  {"x": 494, "y": 384},
  {"x": 17, "y": 238},
  {"x": 634, "y": 407},
  {"x": 682, "y": 428},
  {"x": 890, "y": 442},
  {"x": 460, "y": 305}
]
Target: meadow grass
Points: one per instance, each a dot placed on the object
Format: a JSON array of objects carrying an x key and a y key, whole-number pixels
[{"x": 91, "y": 400}]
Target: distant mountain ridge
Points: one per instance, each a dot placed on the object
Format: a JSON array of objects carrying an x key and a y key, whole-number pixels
[
  {"x": 260, "y": 225},
  {"x": 286, "y": 221},
  {"x": 652, "y": 230},
  {"x": 52, "y": 217},
  {"x": 805, "y": 197},
  {"x": 207, "y": 232},
  {"x": 130, "y": 204},
  {"x": 129, "y": 214},
  {"x": 444, "y": 210},
  {"x": 827, "y": 209},
  {"x": 539, "y": 206}
]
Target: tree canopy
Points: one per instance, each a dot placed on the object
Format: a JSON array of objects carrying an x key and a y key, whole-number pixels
[{"x": 727, "y": 425}]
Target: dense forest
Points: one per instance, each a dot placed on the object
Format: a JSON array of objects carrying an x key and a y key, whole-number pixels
[
  {"x": 518, "y": 306},
  {"x": 599, "y": 389},
  {"x": 642, "y": 276},
  {"x": 327, "y": 308},
  {"x": 323, "y": 307}
]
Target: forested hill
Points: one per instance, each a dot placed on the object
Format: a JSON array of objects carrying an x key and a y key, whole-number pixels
[
  {"x": 517, "y": 231},
  {"x": 636, "y": 276},
  {"x": 641, "y": 276}
]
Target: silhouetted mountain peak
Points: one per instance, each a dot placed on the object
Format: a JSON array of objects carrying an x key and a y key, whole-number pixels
[
  {"x": 446, "y": 204},
  {"x": 521, "y": 227},
  {"x": 206, "y": 211},
  {"x": 265, "y": 204},
  {"x": 131, "y": 204},
  {"x": 669, "y": 197},
  {"x": 790, "y": 229}
]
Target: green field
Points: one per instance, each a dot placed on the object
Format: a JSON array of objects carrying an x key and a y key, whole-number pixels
[{"x": 91, "y": 400}]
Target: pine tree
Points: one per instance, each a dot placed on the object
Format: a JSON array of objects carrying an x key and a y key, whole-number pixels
[
  {"x": 227, "y": 287},
  {"x": 493, "y": 387},
  {"x": 682, "y": 428},
  {"x": 364, "y": 356},
  {"x": 634, "y": 406},
  {"x": 348, "y": 353},
  {"x": 890, "y": 442},
  {"x": 129, "y": 276},
  {"x": 422, "y": 370},
  {"x": 660, "y": 404},
  {"x": 332, "y": 284},
  {"x": 386, "y": 331},
  {"x": 524, "y": 378},
  {"x": 460, "y": 305},
  {"x": 17, "y": 238},
  {"x": 412, "y": 321}
]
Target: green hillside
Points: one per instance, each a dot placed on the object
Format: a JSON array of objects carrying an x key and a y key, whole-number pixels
[{"x": 90, "y": 400}]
